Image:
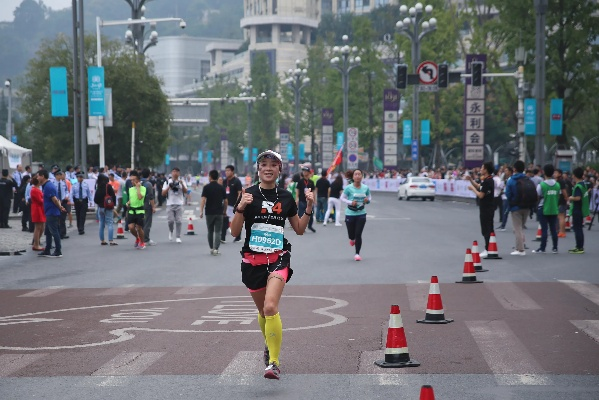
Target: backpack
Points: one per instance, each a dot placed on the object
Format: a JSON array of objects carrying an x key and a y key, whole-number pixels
[
  {"x": 526, "y": 193},
  {"x": 108, "y": 203}
]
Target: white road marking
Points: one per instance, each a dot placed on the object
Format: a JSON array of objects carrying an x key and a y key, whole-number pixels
[
  {"x": 192, "y": 290},
  {"x": 590, "y": 327},
  {"x": 11, "y": 363},
  {"x": 14, "y": 321},
  {"x": 505, "y": 354},
  {"x": 373, "y": 217},
  {"x": 511, "y": 297},
  {"x": 417, "y": 296},
  {"x": 585, "y": 289},
  {"x": 43, "y": 292},
  {"x": 119, "y": 291},
  {"x": 242, "y": 369},
  {"x": 128, "y": 364},
  {"x": 123, "y": 335}
]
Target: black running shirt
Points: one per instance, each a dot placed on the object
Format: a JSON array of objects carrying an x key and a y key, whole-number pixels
[{"x": 272, "y": 206}]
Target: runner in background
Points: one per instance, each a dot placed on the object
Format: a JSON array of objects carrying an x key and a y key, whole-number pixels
[
  {"x": 266, "y": 253},
  {"x": 334, "y": 202},
  {"x": 356, "y": 196}
]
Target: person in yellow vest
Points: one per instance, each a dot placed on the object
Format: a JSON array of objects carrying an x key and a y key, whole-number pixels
[{"x": 135, "y": 219}]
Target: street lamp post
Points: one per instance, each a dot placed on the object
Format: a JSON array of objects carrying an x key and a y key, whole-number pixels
[
  {"x": 8, "y": 84},
  {"x": 297, "y": 80},
  {"x": 541, "y": 10},
  {"x": 100, "y": 24},
  {"x": 344, "y": 65},
  {"x": 415, "y": 34},
  {"x": 249, "y": 100}
]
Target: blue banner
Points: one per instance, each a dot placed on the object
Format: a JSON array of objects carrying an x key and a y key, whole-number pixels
[
  {"x": 302, "y": 151},
  {"x": 209, "y": 156},
  {"x": 340, "y": 140},
  {"x": 95, "y": 88},
  {"x": 254, "y": 154},
  {"x": 290, "y": 151},
  {"x": 407, "y": 132},
  {"x": 200, "y": 156},
  {"x": 59, "y": 92},
  {"x": 167, "y": 159},
  {"x": 556, "y": 123},
  {"x": 425, "y": 132},
  {"x": 415, "y": 150},
  {"x": 530, "y": 117}
]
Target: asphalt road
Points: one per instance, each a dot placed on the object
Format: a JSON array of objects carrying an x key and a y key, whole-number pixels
[{"x": 172, "y": 321}]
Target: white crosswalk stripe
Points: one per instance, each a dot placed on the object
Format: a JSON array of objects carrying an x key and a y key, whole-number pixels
[
  {"x": 43, "y": 292},
  {"x": 511, "y": 297},
  {"x": 11, "y": 363},
  {"x": 125, "y": 364},
  {"x": 585, "y": 289}
]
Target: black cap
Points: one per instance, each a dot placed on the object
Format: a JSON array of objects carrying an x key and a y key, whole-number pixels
[
  {"x": 55, "y": 167},
  {"x": 58, "y": 172},
  {"x": 80, "y": 174},
  {"x": 305, "y": 168}
]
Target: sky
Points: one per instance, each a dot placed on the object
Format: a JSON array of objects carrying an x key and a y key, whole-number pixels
[{"x": 8, "y": 7}]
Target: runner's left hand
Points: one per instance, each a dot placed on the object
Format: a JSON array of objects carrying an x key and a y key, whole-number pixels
[{"x": 309, "y": 197}]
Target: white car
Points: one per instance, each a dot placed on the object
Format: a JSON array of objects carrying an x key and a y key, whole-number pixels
[{"x": 417, "y": 186}]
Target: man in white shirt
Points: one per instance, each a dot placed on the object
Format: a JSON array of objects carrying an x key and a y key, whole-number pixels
[
  {"x": 175, "y": 190},
  {"x": 499, "y": 187}
]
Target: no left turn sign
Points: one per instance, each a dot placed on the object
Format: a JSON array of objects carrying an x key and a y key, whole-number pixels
[{"x": 428, "y": 72}]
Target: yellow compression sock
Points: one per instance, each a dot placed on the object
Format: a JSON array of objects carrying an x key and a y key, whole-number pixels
[
  {"x": 274, "y": 336},
  {"x": 262, "y": 322}
]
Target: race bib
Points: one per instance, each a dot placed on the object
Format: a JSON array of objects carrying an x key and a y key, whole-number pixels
[{"x": 266, "y": 238}]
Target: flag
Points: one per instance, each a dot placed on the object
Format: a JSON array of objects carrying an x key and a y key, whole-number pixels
[
  {"x": 378, "y": 163},
  {"x": 335, "y": 162}
]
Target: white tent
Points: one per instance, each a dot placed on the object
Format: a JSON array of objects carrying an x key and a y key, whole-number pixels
[{"x": 12, "y": 155}]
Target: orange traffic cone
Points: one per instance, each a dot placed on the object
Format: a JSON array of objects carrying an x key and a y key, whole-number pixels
[
  {"x": 469, "y": 275},
  {"x": 120, "y": 232},
  {"x": 396, "y": 349},
  {"x": 190, "y": 230},
  {"x": 539, "y": 233},
  {"x": 427, "y": 392},
  {"x": 568, "y": 224},
  {"x": 492, "y": 253},
  {"x": 434, "y": 307},
  {"x": 478, "y": 265}
]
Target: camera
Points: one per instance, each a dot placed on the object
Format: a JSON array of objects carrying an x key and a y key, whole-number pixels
[
  {"x": 174, "y": 186},
  {"x": 182, "y": 24}
]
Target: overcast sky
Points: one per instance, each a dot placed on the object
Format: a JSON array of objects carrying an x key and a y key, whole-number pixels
[{"x": 8, "y": 7}]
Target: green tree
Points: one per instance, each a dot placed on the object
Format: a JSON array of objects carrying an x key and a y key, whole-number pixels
[
  {"x": 137, "y": 97},
  {"x": 265, "y": 116}
]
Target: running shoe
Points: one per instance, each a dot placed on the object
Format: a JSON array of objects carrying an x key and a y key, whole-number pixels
[
  {"x": 561, "y": 235},
  {"x": 136, "y": 243},
  {"x": 539, "y": 251},
  {"x": 338, "y": 225},
  {"x": 518, "y": 253},
  {"x": 352, "y": 243},
  {"x": 483, "y": 254},
  {"x": 142, "y": 246},
  {"x": 324, "y": 224},
  {"x": 554, "y": 251},
  {"x": 178, "y": 240},
  {"x": 272, "y": 371},
  {"x": 266, "y": 356},
  {"x": 170, "y": 236},
  {"x": 357, "y": 257},
  {"x": 576, "y": 251}
]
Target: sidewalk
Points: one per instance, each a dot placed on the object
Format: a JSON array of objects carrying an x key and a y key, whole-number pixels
[{"x": 14, "y": 241}]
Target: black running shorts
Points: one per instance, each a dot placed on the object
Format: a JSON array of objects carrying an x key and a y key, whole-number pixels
[{"x": 255, "y": 277}]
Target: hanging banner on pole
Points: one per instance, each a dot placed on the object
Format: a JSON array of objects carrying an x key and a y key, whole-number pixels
[
  {"x": 474, "y": 115},
  {"x": 530, "y": 117},
  {"x": 95, "y": 88},
  {"x": 59, "y": 92},
  {"x": 425, "y": 132},
  {"x": 326, "y": 146},
  {"x": 283, "y": 144},
  {"x": 352, "y": 148},
  {"x": 556, "y": 123},
  {"x": 407, "y": 132}
]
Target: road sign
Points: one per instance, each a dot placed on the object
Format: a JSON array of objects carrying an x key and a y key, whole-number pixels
[
  {"x": 428, "y": 72},
  {"x": 414, "y": 149},
  {"x": 352, "y": 148}
]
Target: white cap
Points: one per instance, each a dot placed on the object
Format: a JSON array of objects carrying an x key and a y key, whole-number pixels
[{"x": 270, "y": 154}]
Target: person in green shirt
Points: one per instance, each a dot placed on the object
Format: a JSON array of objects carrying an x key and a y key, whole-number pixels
[
  {"x": 135, "y": 219},
  {"x": 548, "y": 208},
  {"x": 579, "y": 209}
]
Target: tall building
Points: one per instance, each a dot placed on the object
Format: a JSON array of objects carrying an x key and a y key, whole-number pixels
[
  {"x": 353, "y": 6},
  {"x": 279, "y": 28}
]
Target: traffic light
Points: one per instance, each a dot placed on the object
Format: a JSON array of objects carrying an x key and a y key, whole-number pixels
[
  {"x": 477, "y": 73},
  {"x": 443, "y": 80},
  {"x": 402, "y": 76}
]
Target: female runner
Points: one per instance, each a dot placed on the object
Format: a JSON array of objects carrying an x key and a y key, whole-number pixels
[
  {"x": 356, "y": 195},
  {"x": 266, "y": 252}
]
